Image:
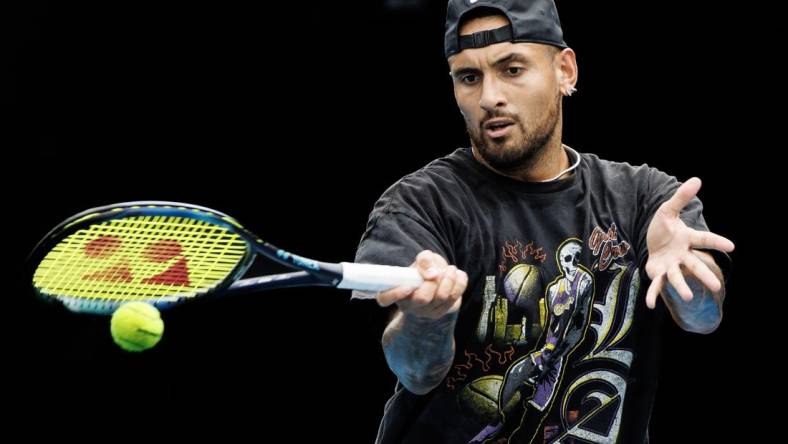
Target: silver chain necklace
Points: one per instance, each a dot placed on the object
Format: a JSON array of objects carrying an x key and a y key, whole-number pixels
[{"x": 577, "y": 162}]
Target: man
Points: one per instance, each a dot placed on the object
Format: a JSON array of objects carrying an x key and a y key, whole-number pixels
[{"x": 542, "y": 329}]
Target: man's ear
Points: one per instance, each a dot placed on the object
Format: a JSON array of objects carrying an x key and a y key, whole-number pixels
[{"x": 566, "y": 70}]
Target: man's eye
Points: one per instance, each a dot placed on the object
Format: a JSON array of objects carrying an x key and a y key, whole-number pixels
[
  {"x": 469, "y": 79},
  {"x": 514, "y": 70}
]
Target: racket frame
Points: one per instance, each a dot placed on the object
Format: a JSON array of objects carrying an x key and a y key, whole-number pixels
[{"x": 313, "y": 273}]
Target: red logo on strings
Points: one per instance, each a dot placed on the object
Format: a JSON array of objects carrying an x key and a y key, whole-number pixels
[
  {"x": 102, "y": 247},
  {"x": 160, "y": 251}
]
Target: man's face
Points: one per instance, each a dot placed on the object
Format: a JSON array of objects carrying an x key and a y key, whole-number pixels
[{"x": 509, "y": 95}]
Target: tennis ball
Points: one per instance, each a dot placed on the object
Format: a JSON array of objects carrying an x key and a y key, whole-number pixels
[{"x": 136, "y": 326}]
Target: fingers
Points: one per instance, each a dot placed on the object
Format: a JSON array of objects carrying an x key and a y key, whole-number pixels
[
  {"x": 424, "y": 294},
  {"x": 425, "y": 262},
  {"x": 446, "y": 284},
  {"x": 681, "y": 197},
  {"x": 427, "y": 259},
  {"x": 439, "y": 294},
  {"x": 455, "y": 299},
  {"x": 448, "y": 298},
  {"x": 676, "y": 279},
  {"x": 436, "y": 290},
  {"x": 702, "y": 272},
  {"x": 653, "y": 290},
  {"x": 674, "y": 272},
  {"x": 705, "y": 239},
  {"x": 393, "y": 295}
]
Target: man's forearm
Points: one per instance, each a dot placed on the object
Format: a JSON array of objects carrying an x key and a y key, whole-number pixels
[
  {"x": 703, "y": 313},
  {"x": 420, "y": 351}
]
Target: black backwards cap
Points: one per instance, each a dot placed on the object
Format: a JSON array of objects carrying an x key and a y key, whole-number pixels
[{"x": 529, "y": 21}]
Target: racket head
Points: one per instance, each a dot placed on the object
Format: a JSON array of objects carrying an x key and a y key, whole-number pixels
[{"x": 162, "y": 253}]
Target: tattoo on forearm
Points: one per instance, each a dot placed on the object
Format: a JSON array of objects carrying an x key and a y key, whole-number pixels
[
  {"x": 703, "y": 313},
  {"x": 420, "y": 351}
]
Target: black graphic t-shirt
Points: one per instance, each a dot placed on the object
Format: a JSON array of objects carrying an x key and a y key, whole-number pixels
[{"x": 554, "y": 342}]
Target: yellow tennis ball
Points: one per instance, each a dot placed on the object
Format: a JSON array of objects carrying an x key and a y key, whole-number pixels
[{"x": 136, "y": 326}]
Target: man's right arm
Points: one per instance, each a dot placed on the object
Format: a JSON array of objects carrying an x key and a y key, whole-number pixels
[{"x": 419, "y": 341}]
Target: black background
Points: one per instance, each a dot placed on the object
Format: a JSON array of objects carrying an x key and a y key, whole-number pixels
[{"x": 294, "y": 118}]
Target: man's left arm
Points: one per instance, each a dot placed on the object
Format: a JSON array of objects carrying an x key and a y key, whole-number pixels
[{"x": 689, "y": 280}]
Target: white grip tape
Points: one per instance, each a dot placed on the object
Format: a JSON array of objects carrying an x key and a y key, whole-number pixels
[{"x": 368, "y": 277}]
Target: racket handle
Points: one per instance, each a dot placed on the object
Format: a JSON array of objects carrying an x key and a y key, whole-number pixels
[{"x": 368, "y": 277}]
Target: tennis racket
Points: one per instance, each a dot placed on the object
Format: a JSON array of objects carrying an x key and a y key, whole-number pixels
[{"x": 166, "y": 253}]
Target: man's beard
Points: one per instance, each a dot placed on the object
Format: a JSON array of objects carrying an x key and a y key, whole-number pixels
[{"x": 516, "y": 153}]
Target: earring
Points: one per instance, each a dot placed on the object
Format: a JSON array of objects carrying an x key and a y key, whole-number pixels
[{"x": 570, "y": 91}]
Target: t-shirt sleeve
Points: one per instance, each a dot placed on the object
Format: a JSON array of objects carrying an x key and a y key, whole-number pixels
[
  {"x": 656, "y": 188},
  {"x": 400, "y": 227}
]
